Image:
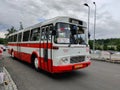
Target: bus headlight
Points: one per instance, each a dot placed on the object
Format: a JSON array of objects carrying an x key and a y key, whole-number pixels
[
  {"x": 88, "y": 58},
  {"x": 63, "y": 61}
]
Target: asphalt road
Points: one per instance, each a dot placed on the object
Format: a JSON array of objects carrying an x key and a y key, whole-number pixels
[{"x": 98, "y": 76}]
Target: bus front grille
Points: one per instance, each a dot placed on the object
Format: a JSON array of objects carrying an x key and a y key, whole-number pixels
[{"x": 77, "y": 59}]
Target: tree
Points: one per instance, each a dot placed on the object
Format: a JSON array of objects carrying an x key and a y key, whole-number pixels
[
  {"x": 10, "y": 31},
  {"x": 3, "y": 41},
  {"x": 105, "y": 47},
  {"x": 118, "y": 47},
  {"x": 91, "y": 44}
]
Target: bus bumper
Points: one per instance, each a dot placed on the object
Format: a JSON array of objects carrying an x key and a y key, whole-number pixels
[{"x": 67, "y": 68}]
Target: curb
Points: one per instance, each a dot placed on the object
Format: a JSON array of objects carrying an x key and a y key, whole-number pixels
[{"x": 9, "y": 83}]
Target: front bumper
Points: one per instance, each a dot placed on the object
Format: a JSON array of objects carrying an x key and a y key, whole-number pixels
[{"x": 67, "y": 68}]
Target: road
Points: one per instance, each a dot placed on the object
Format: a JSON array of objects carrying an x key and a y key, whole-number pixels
[{"x": 98, "y": 76}]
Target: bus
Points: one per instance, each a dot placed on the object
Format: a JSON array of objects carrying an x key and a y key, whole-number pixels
[{"x": 56, "y": 45}]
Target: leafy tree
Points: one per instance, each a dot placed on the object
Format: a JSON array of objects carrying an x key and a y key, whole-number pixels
[
  {"x": 3, "y": 41},
  {"x": 118, "y": 47},
  {"x": 105, "y": 47},
  {"x": 10, "y": 31},
  {"x": 111, "y": 48},
  {"x": 91, "y": 44}
]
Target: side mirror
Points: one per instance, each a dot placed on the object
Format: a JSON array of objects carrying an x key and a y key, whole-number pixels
[{"x": 53, "y": 32}]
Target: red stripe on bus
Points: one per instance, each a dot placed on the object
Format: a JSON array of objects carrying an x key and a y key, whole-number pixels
[{"x": 33, "y": 45}]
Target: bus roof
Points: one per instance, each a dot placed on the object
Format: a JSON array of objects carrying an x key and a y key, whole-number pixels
[{"x": 49, "y": 21}]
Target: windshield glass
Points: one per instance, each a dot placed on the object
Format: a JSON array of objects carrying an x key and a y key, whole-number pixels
[{"x": 68, "y": 33}]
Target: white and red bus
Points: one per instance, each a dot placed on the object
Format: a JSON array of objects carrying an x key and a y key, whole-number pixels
[{"x": 56, "y": 45}]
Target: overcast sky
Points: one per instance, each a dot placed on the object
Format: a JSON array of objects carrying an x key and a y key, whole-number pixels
[{"x": 30, "y": 12}]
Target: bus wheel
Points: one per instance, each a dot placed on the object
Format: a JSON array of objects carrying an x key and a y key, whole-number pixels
[{"x": 36, "y": 63}]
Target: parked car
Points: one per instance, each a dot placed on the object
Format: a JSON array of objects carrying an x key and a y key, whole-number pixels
[{"x": 3, "y": 47}]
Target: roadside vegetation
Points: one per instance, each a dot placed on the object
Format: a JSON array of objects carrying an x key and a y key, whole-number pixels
[
  {"x": 10, "y": 31},
  {"x": 106, "y": 44}
]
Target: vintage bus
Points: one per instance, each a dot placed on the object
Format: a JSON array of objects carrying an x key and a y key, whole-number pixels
[{"x": 56, "y": 45}]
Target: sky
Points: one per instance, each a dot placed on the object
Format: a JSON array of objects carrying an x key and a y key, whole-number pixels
[{"x": 30, "y": 12}]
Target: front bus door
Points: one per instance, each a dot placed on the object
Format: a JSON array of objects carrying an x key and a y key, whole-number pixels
[{"x": 46, "y": 48}]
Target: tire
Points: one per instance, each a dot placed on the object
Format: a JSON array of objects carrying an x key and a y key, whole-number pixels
[{"x": 36, "y": 63}]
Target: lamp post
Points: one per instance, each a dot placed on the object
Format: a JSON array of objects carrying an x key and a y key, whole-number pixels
[
  {"x": 85, "y": 4},
  {"x": 94, "y": 27}
]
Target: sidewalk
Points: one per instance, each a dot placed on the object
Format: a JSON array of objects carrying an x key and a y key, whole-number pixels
[
  {"x": 1, "y": 85},
  {"x": 8, "y": 83}
]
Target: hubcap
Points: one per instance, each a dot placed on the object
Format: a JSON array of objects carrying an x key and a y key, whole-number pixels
[{"x": 36, "y": 63}]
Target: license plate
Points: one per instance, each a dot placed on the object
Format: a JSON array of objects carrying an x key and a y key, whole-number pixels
[{"x": 78, "y": 66}]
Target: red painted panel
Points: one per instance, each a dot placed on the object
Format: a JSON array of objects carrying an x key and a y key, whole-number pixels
[
  {"x": 33, "y": 45},
  {"x": 66, "y": 68}
]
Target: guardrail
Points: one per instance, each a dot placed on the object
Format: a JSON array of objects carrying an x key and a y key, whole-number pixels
[{"x": 108, "y": 57}]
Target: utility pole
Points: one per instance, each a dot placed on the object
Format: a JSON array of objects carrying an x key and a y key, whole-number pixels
[
  {"x": 85, "y": 4},
  {"x": 94, "y": 27}
]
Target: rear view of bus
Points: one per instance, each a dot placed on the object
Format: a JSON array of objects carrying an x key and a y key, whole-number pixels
[{"x": 70, "y": 48}]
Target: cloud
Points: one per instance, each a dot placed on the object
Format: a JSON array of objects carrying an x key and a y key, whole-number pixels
[
  {"x": 106, "y": 26},
  {"x": 30, "y": 12},
  {"x": 2, "y": 34}
]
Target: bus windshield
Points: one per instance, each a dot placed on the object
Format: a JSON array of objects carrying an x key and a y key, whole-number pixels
[{"x": 69, "y": 33}]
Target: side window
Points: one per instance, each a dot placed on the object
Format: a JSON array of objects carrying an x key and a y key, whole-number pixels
[
  {"x": 50, "y": 31},
  {"x": 43, "y": 34},
  {"x": 15, "y": 37},
  {"x": 12, "y": 38},
  {"x": 35, "y": 34},
  {"x": 19, "y": 37},
  {"x": 46, "y": 32},
  {"x": 26, "y": 35}
]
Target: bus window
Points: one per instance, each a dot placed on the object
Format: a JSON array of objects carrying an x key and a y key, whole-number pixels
[
  {"x": 50, "y": 31},
  {"x": 43, "y": 34},
  {"x": 63, "y": 33},
  {"x": 15, "y": 37},
  {"x": 19, "y": 37},
  {"x": 26, "y": 35},
  {"x": 47, "y": 33},
  {"x": 12, "y": 38},
  {"x": 69, "y": 33},
  {"x": 35, "y": 34}
]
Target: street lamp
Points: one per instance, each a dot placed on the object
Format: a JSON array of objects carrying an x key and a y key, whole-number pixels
[
  {"x": 94, "y": 27},
  {"x": 85, "y": 4}
]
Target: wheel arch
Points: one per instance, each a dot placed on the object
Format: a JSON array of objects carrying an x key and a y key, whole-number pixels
[{"x": 33, "y": 55}]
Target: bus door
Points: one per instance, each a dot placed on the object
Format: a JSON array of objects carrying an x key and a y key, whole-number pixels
[
  {"x": 19, "y": 46},
  {"x": 46, "y": 48}
]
